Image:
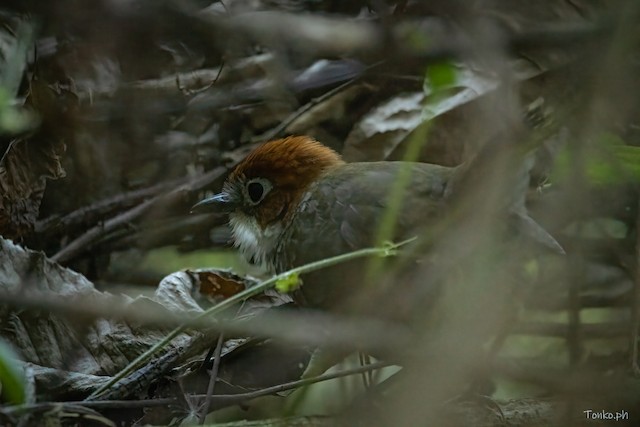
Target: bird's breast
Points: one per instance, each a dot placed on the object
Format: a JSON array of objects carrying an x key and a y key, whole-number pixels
[{"x": 256, "y": 244}]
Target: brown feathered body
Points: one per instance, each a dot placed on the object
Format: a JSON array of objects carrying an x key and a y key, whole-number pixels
[{"x": 293, "y": 201}]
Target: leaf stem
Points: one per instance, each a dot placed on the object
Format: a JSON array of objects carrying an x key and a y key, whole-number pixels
[{"x": 388, "y": 249}]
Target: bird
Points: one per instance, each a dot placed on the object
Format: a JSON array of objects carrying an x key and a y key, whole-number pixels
[{"x": 293, "y": 201}]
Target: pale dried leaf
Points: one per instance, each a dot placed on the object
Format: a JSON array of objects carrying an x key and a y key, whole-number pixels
[
  {"x": 380, "y": 134},
  {"x": 24, "y": 169},
  {"x": 56, "y": 344}
]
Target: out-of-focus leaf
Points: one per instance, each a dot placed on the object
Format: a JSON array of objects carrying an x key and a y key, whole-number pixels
[
  {"x": 24, "y": 165},
  {"x": 197, "y": 289},
  {"x": 608, "y": 162},
  {"x": 384, "y": 128},
  {"x": 289, "y": 283},
  {"x": 27, "y": 163},
  {"x": 57, "y": 347},
  {"x": 448, "y": 93},
  {"x": 13, "y": 56},
  {"x": 14, "y": 120},
  {"x": 14, "y": 48},
  {"x": 440, "y": 76},
  {"x": 24, "y": 169},
  {"x": 467, "y": 85},
  {"x": 603, "y": 283},
  {"x": 70, "y": 357},
  {"x": 12, "y": 386},
  {"x": 629, "y": 158},
  {"x": 598, "y": 228}
]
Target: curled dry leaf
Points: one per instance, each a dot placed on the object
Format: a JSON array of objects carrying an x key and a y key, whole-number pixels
[
  {"x": 217, "y": 287},
  {"x": 25, "y": 165},
  {"x": 196, "y": 290},
  {"x": 69, "y": 354},
  {"x": 24, "y": 169},
  {"x": 378, "y": 133},
  {"x": 453, "y": 135}
]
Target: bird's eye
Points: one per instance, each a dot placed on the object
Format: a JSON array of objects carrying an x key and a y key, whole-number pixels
[{"x": 257, "y": 189}]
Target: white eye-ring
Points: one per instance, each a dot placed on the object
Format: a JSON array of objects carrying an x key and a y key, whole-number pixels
[{"x": 256, "y": 190}]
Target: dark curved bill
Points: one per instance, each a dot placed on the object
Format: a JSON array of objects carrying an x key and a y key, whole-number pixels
[{"x": 221, "y": 202}]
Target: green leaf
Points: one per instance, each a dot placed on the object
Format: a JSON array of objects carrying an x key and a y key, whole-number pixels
[
  {"x": 629, "y": 158},
  {"x": 12, "y": 380},
  {"x": 441, "y": 76},
  {"x": 532, "y": 269},
  {"x": 288, "y": 283},
  {"x": 598, "y": 228},
  {"x": 14, "y": 119},
  {"x": 607, "y": 162}
]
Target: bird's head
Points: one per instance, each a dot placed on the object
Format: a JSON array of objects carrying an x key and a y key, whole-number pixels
[{"x": 263, "y": 191}]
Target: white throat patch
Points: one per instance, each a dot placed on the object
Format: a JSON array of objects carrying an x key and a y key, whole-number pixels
[{"x": 255, "y": 244}]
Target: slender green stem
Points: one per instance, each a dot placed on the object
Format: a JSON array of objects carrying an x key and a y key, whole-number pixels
[
  {"x": 396, "y": 196},
  {"x": 385, "y": 250}
]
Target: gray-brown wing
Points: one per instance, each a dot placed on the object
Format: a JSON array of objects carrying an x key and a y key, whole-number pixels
[{"x": 342, "y": 212}]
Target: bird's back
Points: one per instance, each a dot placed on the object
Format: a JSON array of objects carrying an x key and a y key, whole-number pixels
[{"x": 342, "y": 211}]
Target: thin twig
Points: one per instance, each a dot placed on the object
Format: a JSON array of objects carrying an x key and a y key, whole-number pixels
[
  {"x": 613, "y": 329},
  {"x": 365, "y": 360},
  {"x": 312, "y": 329},
  {"x": 280, "y": 128},
  {"x": 336, "y": 37},
  {"x": 242, "y": 397},
  {"x": 221, "y": 399},
  {"x": 208, "y": 86},
  {"x": 77, "y": 246},
  {"x": 213, "y": 376},
  {"x": 103, "y": 207},
  {"x": 387, "y": 250},
  {"x": 140, "y": 380}
]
